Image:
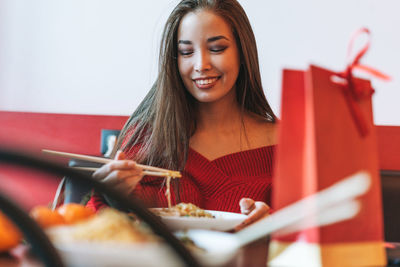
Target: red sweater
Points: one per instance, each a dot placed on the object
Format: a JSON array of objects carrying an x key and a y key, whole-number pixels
[{"x": 214, "y": 185}]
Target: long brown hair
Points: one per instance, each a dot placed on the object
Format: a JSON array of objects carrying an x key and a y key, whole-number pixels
[{"x": 165, "y": 120}]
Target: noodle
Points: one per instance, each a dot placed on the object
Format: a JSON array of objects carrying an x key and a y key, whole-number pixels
[{"x": 168, "y": 191}]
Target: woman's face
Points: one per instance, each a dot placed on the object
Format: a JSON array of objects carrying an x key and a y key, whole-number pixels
[{"x": 208, "y": 56}]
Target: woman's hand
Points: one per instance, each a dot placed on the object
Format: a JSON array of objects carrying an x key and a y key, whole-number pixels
[
  {"x": 120, "y": 173},
  {"x": 254, "y": 209}
]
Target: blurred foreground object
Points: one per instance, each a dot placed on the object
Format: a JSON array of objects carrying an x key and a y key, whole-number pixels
[
  {"x": 327, "y": 133},
  {"x": 41, "y": 245},
  {"x": 10, "y": 236},
  {"x": 65, "y": 214},
  {"x": 109, "y": 225}
]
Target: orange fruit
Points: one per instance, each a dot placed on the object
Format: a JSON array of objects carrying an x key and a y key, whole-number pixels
[
  {"x": 73, "y": 212},
  {"x": 46, "y": 217},
  {"x": 10, "y": 236}
]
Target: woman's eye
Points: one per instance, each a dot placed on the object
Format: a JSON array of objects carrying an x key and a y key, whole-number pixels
[
  {"x": 185, "y": 52},
  {"x": 218, "y": 49}
]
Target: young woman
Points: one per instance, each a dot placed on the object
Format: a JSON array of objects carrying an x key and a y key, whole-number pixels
[{"x": 206, "y": 116}]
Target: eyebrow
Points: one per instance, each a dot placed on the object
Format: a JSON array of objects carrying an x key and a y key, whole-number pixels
[{"x": 209, "y": 40}]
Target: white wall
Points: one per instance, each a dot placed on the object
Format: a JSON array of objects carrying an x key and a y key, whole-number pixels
[{"x": 100, "y": 56}]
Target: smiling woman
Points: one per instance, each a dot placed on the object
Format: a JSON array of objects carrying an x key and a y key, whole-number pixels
[{"x": 206, "y": 116}]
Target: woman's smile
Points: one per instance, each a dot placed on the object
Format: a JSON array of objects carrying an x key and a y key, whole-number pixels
[{"x": 205, "y": 83}]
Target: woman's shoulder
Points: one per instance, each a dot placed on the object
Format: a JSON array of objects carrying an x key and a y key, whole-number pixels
[{"x": 262, "y": 131}]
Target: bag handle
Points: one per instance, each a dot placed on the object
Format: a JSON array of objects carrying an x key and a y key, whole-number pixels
[{"x": 355, "y": 94}]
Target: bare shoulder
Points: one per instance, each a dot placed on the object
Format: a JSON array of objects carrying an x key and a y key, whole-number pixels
[{"x": 261, "y": 132}]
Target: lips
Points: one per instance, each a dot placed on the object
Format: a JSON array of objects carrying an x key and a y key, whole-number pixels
[{"x": 206, "y": 82}]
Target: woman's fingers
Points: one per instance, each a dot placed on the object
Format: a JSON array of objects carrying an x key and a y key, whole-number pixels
[
  {"x": 124, "y": 181},
  {"x": 115, "y": 166},
  {"x": 246, "y": 205},
  {"x": 121, "y": 173},
  {"x": 119, "y": 163},
  {"x": 260, "y": 210}
]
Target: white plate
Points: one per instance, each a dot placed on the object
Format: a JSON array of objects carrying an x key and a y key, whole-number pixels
[{"x": 223, "y": 221}]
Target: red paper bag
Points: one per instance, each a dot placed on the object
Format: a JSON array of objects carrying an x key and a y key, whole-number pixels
[{"x": 326, "y": 134}]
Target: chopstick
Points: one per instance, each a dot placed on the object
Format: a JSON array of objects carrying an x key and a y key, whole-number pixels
[
  {"x": 150, "y": 173},
  {"x": 148, "y": 170}
]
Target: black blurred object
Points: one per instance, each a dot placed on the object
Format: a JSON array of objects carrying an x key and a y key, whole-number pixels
[
  {"x": 390, "y": 182},
  {"x": 74, "y": 190},
  {"x": 131, "y": 204},
  {"x": 41, "y": 245}
]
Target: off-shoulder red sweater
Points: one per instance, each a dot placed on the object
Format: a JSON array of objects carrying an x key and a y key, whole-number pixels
[{"x": 214, "y": 185}]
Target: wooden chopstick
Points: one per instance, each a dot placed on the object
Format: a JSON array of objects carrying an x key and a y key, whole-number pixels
[
  {"x": 76, "y": 156},
  {"x": 154, "y": 171},
  {"x": 150, "y": 173}
]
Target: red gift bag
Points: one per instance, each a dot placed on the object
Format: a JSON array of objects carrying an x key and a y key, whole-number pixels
[{"x": 327, "y": 134}]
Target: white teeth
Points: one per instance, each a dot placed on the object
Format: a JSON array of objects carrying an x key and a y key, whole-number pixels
[{"x": 206, "y": 81}]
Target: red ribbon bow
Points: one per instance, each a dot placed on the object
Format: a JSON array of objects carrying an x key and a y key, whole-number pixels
[{"x": 356, "y": 93}]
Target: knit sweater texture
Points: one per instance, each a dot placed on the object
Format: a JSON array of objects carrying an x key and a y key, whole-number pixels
[{"x": 217, "y": 184}]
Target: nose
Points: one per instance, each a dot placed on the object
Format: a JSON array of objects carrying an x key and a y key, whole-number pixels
[{"x": 202, "y": 62}]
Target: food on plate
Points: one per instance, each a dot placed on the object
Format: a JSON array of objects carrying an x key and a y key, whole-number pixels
[
  {"x": 109, "y": 225},
  {"x": 183, "y": 210},
  {"x": 10, "y": 236}
]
